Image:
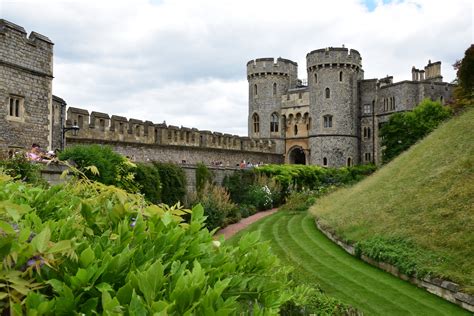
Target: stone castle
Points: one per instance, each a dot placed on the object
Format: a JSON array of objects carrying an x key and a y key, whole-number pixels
[
  {"x": 331, "y": 121},
  {"x": 334, "y": 119}
]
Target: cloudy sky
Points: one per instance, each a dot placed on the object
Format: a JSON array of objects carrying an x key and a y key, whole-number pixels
[{"x": 184, "y": 61}]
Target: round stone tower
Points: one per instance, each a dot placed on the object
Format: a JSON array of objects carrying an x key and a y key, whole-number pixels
[
  {"x": 333, "y": 74},
  {"x": 269, "y": 79}
]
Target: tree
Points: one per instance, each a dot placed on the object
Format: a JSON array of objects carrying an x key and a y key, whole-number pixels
[
  {"x": 464, "y": 93},
  {"x": 405, "y": 129}
]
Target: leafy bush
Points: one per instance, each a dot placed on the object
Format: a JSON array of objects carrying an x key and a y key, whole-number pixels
[
  {"x": 238, "y": 184},
  {"x": 102, "y": 250},
  {"x": 113, "y": 168},
  {"x": 147, "y": 178},
  {"x": 405, "y": 129},
  {"x": 403, "y": 254},
  {"x": 301, "y": 201},
  {"x": 218, "y": 208},
  {"x": 19, "y": 167},
  {"x": 173, "y": 182},
  {"x": 203, "y": 176},
  {"x": 260, "y": 197}
]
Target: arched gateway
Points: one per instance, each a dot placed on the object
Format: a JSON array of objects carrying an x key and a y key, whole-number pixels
[{"x": 297, "y": 156}]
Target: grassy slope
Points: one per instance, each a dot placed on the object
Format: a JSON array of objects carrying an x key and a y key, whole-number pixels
[
  {"x": 426, "y": 196},
  {"x": 295, "y": 239}
]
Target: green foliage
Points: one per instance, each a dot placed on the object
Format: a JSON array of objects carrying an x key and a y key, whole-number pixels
[
  {"x": 403, "y": 254},
  {"x": 148, "y": 179},
  {"x": 203, "y": 177},
  {"x": 465, "y": 75},
  {"x": 173, "y": 182},
  {"x": 302, "y": 200},
  {"x": 113, "y": 168},
  {"x": 238, "y": 184},
  {"x": 405, "y": 129},
  {"x": 260, "y": 197},
  {"x": 19, "y": 167},
  {"x": 218, "y": 208},
  {"x": 102, "y": 250}
]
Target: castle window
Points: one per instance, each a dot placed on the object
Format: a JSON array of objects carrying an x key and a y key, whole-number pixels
[
  {"x": 366, "y": 108},
  {"x": 349, "y": 161},
  {"x": 274, "y": 123},
  {"x": 274, "y": 88},
  {"x": 340, "y": 76},
  {"x": 393, "y": 103},
  {"x": 15, "y": 110},
  {"x": 308, "y": 125},
  {"x": 368, "y": 157},
  {"x": 325, "y": 162},
  {"x": 315, "y": 78},
  {"x": 102, "y": 125},
  {"x": 367, "y": 132},
  {"x": 328, "y": 93},
  {"x": 256, "y": 123},
  {"x": 295, "y": 130},
  {"x": 441, "y": 99},
  {"x": 327, "y": 121},
  {"x": 255, "y": 90}
]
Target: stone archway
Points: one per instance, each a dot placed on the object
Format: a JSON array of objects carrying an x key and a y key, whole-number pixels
[{"x": 297, "y": 156}]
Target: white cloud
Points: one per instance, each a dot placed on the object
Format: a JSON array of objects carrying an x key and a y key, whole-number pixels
[{"x": 183, "y": 61}]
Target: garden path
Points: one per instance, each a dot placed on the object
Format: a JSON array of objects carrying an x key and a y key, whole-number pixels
[{"x": 232, "y": 229}]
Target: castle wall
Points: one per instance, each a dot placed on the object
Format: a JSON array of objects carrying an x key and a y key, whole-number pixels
[
  {"x": 333, "y": 74},
  {"x": 26, "y": 73},
  {"x": 142, "y": 152}
]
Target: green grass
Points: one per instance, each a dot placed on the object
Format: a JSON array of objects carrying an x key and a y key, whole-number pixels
[
  {"x": 423, "y": 199},
  {"x": 316, "y": 260}
]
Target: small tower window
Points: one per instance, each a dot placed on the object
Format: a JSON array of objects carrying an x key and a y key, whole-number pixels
[
  {"x": 315, "y": 78},
  {"x": 15, "y": 106},
  {"x": 340, "y": 76},
  {"x": 325, "y": 161},
  {"x": 295, "y": 130},
  {"x": 274, "y": 88},
  {"x": 328, "y": 93},
  {"x": 255, "y": 90},
  {"x": 327, "y": 121},
  {"x": 274, "y": 123},
  {"x": 349, "y": 161},
  {"x": 256, "y": 123}
]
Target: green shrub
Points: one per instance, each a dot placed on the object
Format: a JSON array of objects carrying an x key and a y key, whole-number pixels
[
  {"x": 19, "y": 167},
  {"x": 260, "y": 197},
  {"x": 239, "y": 183},
  {"x": 173, "y": 182},
  {"x": 113, "y": 168},
  {"x": 108, "y": 252},
  {"x": 148, "y": 179},
  {"x": 203, "y": 176},
  {"x": 218, "y": 208}
]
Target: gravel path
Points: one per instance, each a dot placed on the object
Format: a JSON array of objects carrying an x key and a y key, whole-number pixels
[{"x": 232, "y": 229}]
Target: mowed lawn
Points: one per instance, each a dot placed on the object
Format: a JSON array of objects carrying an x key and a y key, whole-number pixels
[{"x": 316, "y": 260}]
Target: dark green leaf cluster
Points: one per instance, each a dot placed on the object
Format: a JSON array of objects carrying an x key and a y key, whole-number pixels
[
  {"x": 113, "y": 168},
  {"x": 90, "y": 249},
  {"x": 173, "y": 182},
  {"x": 203, "y": 176},
  {"x": 403, "y": 254},
  {"x": 405, "y": 129},
  {"x": 147, "y": 178},
  {"x": 19, "y": 167}
]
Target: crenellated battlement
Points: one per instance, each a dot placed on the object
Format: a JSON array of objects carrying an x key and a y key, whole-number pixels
[
  {"x": 33, "y": 53},
  {"x": 101, "y": 126},
  {"x": 271, "y": 66},
  {"x": 333, "y": 57}
]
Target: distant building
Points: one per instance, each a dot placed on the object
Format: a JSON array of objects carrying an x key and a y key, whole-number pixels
[{"x": 333, "y": 119}]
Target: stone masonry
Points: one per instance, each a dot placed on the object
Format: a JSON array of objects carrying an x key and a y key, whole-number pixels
[{"x": 334, "y": 119}]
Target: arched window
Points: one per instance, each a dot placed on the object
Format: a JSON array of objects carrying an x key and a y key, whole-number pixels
[
  {"x": 274, "y": 88},
  {"x": 274, "y": 123},
  {"x": 256, "y": 123},
  {"x": 325, "y": 161},
  {"x": 328, "y": 93},
  {"x": 295, "y": 130},
  {"x": 340, "y": 76},
  {"x": 315, "y": 78},
  {"x": 255, "y": 91},
  {"x": 368, "y": 132},
  {"x": 349, "y": 161}
]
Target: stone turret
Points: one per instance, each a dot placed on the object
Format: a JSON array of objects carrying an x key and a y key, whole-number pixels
[
  {"x": 333, "y": 74},
  {"x": 269, "y": 79}
]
